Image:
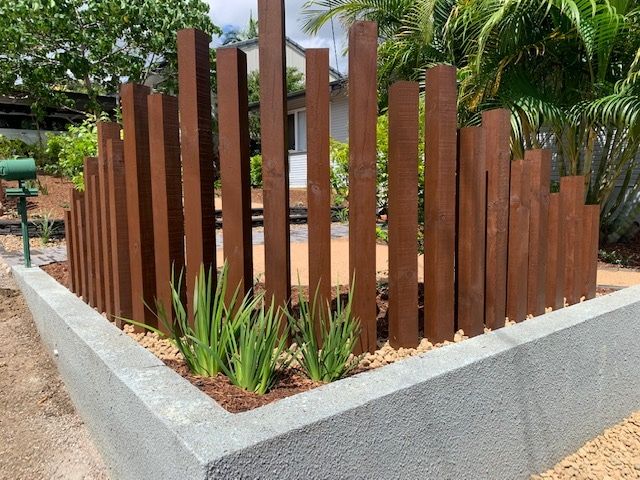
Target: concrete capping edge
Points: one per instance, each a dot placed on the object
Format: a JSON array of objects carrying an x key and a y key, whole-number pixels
[{"x": 502, "y": 405}]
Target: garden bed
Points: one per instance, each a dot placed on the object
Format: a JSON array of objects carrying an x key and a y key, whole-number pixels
[{"x": 533, "y": 393}]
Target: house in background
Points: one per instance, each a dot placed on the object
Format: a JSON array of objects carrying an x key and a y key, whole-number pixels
[{"x": 296, "y": 107}]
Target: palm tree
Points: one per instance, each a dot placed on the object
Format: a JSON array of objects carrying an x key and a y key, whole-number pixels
[{"x": 567, "y": 69}]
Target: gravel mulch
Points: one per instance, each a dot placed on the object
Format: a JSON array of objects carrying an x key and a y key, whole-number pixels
[{"x": 615, "y": 454}]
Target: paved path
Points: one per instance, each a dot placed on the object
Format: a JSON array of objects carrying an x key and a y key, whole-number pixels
[{"x": 39, "y": 256}]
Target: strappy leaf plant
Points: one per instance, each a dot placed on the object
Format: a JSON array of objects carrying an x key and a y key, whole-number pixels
[
  {"x": 254, "y": 353},
  {"x": 325, "y": 337},
  {"x": 205, "y": 342}
]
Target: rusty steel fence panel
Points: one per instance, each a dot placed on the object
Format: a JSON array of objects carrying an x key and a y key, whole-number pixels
[
  {"x": 440, "y": 203},
  {"x": 403, "y": 214},
  {"x": 275, "y": 155},
  {"x": 196, "y": 139},
  {"x": 497, "y": 140},
  {"x": 106, "y": 131},
  {"x": 362, "y": 177},
  {"x": 122, "y": 299},
  {"x": 139, "y": 207},
  {"x": 233, "y": 117},
  {"x": 166, "y": 194},
  {"x": 318, "y": 174}
]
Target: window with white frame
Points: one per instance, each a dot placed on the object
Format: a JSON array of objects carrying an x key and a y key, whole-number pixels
[{"x": 297, "y": 130}]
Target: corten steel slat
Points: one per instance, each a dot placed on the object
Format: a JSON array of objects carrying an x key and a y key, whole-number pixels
[
  {"x": 471, "y": 231},
  {"x": 275, "y": 157},
  {"x": 555, "y": 256},
  {"x": 440, "y": 203},
  {"x": 166, "y": 190},
  {"x": 403, "y": 214},
  {"x": 119, "y": 232},
  {"x": 362, "y": 177},
  {"x": 90, "y": 168},
  {"x": 517, "y": 274},
  {"x": 79, "y": 202},
  {"x": 318, "y": 169},
  {"x": 139, "y": 208},
  {"x": 197, "y": 155},
  {"x": 572, "y": 193},
  {"x": 591, "y": 236},
  {"x": 75, "y": 256},
  {"x": 68, "y": 233},
  {"x": 233, "y": 128},
  {"x": 581, "y": 242},
  {"x": 96, "y": 236},
  {"x": 540, "y": 181},
  {"x": 106, "y": 131},
  {"x": 497, "y": 140}
]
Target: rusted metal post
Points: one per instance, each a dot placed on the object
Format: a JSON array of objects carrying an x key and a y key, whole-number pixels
[
  {"x": 106, "y": 131},
  {"x": 318, "y": 174},
  {"x": 471, "y": 231},
  {"x": 75, "y": 254},
  {"x": 275, "y": 156},
  {"x": 591, "y": 235},
  {"x": 166, "y": 193},
  {"x": 233, "y": 127},
  {"x": 517, "y": 273},
  {"x": 540, "y": 181},
  {"x": 79, "y": 202},
  {"x": 403, "y": 214},
  {"x": 119, "y": 232},
  {"x": 555, "y": 256},
  {"x": 96, "y": 238},
  {"x": 90, "y": 168},
  {"x": 198, "y": 168},
  {"x": 363, "y": 37},
  {"x": 440, "y": 203},
  {"x": 139, "y": 209},
  {"x": 71, "y": 263},
  {"x": 572, "y": 195},
  {"x": 497, "y": 135}
]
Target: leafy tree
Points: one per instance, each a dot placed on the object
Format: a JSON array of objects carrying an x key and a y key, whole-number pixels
[
  {"x": 569, "y": 71},
  {"x": 90, "y": 46},
  {"x": 295, "y": 83}
]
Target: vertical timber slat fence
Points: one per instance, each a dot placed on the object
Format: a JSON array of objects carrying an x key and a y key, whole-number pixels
[{"x": 497, "y": 243}]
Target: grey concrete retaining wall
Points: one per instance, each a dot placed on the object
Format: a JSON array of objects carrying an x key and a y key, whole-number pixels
[{"x": 500, "y": 406}]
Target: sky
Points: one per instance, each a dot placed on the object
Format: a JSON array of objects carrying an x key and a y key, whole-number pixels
[{"x": 235, "y": 14}]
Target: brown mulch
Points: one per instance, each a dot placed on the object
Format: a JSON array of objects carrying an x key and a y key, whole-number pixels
[
  {"x": 59, "y": 271},
  {"x": 628, "y": 253},
  {"x": 52, "y": 199},
  {"x": 236, "y": 400}
]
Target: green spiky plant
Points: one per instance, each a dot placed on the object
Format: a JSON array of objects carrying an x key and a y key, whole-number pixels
[
  {"x": 254, "y": 356},
  {"x": 325, "y": 337},
  {"x": 205, "y": 342}
]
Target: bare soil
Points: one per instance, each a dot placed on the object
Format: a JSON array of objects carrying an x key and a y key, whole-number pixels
[
  {"x": 41, "y": 435},
  {"x": 52, "y": 199}
]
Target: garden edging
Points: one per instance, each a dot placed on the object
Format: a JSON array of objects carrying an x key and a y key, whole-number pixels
[{"x": 501, "y": 405}]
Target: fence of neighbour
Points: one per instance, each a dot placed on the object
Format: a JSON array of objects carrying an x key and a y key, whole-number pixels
[{"x": 497, "y": 243}]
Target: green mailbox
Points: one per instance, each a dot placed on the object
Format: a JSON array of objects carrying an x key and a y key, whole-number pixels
[{"x": 20, "y": 170}]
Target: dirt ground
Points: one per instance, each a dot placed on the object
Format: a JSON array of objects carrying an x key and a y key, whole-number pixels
[
  {"x": 41, "y": 435},
  {"x": 52, "y": 199}
]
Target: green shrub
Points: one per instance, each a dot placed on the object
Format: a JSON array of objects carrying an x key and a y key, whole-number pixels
[
  {"x": 71, "y": 147},
  {"x": 254, "y": 357},
  {"x": 325, "y": 337},
  {"x": 46, "y": 228},
  {"x": 256, "y": 171},
  {"x": 12, "y": 148},
  {"x": 204, "y": 343}
]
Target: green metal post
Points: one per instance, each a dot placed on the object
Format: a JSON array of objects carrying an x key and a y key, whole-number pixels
[{"x": 22, "y": 207}]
